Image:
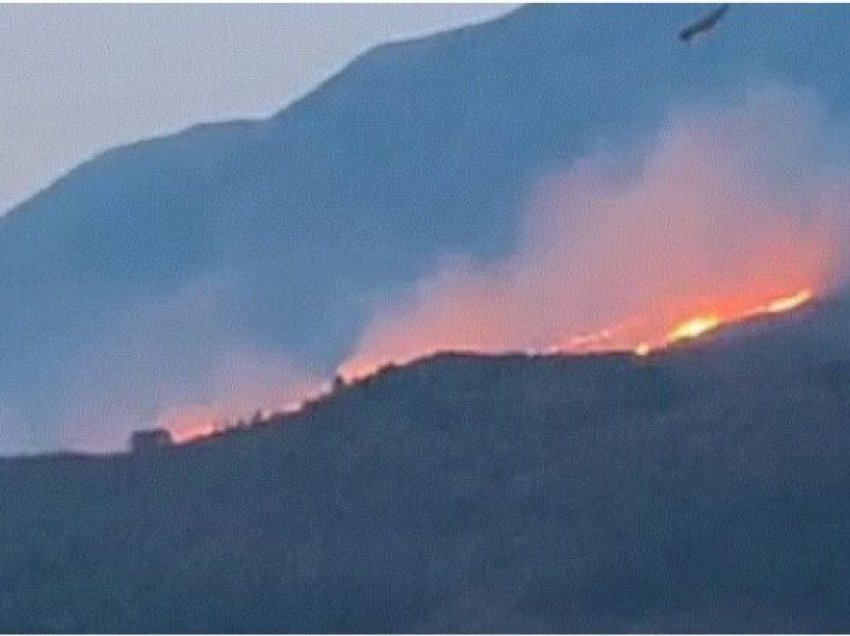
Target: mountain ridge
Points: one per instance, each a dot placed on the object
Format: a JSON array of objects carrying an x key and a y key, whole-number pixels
[
  {"x": 292, "y": 231},
  {"x": 465, "y": 494}
]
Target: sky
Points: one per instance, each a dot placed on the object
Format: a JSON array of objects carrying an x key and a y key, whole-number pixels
[{"x": 76, "y": 80}]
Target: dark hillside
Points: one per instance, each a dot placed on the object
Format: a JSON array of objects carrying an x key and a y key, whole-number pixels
[{"x": 684, "y": 492}]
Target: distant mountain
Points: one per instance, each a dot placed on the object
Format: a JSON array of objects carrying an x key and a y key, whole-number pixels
[
  {"x": 124, "y": 282},
  {"x": 699, "y": 490}
]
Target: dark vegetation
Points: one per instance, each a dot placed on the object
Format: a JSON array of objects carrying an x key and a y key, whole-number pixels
[{"x": 706, "y": 489}]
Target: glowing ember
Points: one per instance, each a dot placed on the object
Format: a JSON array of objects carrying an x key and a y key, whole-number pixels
[
  {"x": 781, "y": 305},
  {"x": 689, "y": 329},
  {"x": 700, "y": 325},
  {"x": 694, "y": 328}
]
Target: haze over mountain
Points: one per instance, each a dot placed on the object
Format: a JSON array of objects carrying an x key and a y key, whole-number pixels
[{"x": 232, "y": 262}]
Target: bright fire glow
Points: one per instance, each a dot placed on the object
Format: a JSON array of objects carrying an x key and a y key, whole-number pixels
[
  {"x": 195, "y": 422},
  {"x": 694, "y": 328},
  {"x": 640, "y": 336},
  {"x": 781, "y": 305},
  {"x": 702, "y": 324},
  {"x": 643, "y": 349}
]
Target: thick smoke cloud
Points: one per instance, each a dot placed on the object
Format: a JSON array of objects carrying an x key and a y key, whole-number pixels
[{"x": 727, "y": 210}]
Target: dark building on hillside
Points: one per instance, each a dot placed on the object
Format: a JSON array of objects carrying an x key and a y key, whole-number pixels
[{"x": 151, "y": 440}]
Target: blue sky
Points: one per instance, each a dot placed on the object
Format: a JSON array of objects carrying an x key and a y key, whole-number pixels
[{"x": 75, "y": 79}]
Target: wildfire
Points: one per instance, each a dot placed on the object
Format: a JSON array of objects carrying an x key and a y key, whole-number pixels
[
  {"x": 640, "y": 337},
  {"x": 643, "y": 349},
  {"x": 694, "y": 328},
  {"x": 781, "y": 305},
  {"x": 701, "y": 324},
  {"x": 633, "y": 336}
]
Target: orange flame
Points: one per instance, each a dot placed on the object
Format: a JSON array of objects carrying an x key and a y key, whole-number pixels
[
  {"x": 781, "y": 305},
  {"x": 633, "y": 337},
  {"x": 196, "y": 422},
  {"x": 637, "y": 335},
  {"x": 701, "y": 324},
  {"x": 694, "y": 328}
]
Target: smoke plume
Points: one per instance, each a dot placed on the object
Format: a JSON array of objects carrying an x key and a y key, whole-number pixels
[{"x": 725, "y": 212}]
